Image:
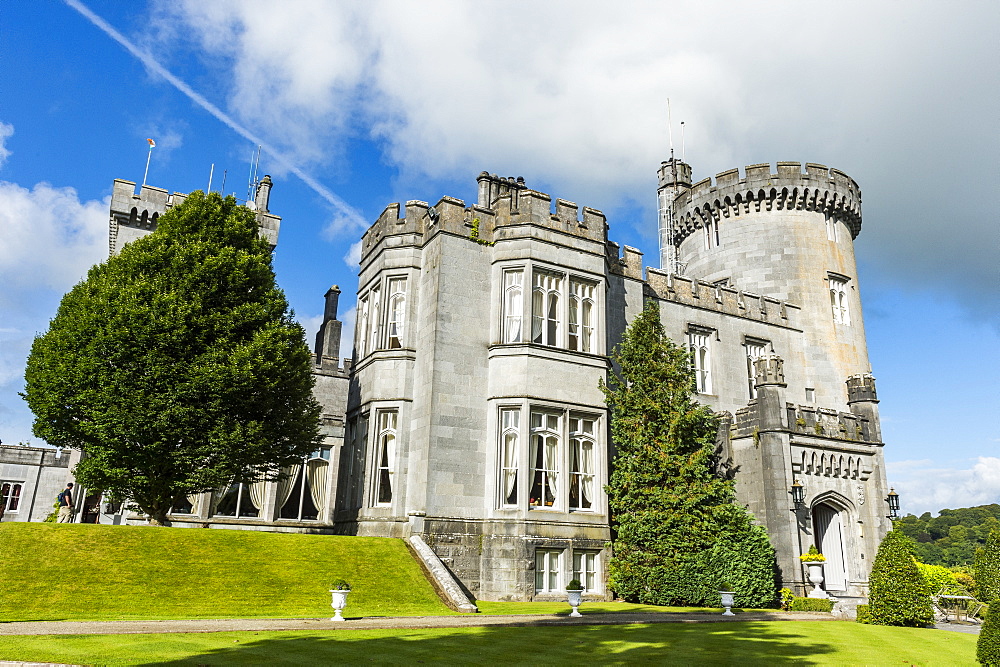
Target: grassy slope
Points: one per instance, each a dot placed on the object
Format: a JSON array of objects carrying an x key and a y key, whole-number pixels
[
  {"x": 74, "y": 571},
  {"x": 790, "y": 642}
]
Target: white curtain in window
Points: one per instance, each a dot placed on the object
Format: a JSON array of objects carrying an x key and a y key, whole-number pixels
[
  {"x": 537, "y": 314},
  {"x": 552, "y": 463},
  {"x": 509, "y": 463},
  {"x": 256, "y": 491},
  {"x": 195, "y": 500},
  {"x": 376, "y": 319},
  {"x": 286, "y": 484},
  {"x": 587, "y": 470},
  {"x": 317, "y": 471}
]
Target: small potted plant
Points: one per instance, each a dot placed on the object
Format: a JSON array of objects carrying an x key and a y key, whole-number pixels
[
  {"x": 814, "y": 560},
  {"x": 574, "y": 593},
  {"x": 726, "y": 594},
  {"x": 339, "y": 592}
]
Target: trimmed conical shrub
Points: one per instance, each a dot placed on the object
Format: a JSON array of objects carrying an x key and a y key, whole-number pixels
[
  {"x": 988, "y": 649},
  {"x": 986, "y": 569},
  {"x": 897, "y": 594}
]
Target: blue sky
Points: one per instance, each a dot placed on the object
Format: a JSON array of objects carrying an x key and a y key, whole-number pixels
[{"x": 363, "y": 104}]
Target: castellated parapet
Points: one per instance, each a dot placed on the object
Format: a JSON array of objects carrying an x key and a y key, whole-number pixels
[
  {"x": 820, "y": 188},
  {"x": 513, "y": 207},
  {"x": 134, "y": 215}
]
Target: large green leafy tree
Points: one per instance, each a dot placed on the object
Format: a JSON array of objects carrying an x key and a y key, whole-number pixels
[
  {"x": 674, "y": 518},
  {"x": 986, "y": 569},
  {"x": 176, "y": 366},
  {"x": 897, "y": 590}
]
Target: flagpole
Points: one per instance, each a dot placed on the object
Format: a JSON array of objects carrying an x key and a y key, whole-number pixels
[{"x": 148, "y": 155}]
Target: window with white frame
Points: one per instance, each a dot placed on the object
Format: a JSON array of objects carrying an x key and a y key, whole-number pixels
[
  {"x": 699, "y": 342},
  {"x": 581, "y": 463},
  {"x": 510, "y": 436},
  {"x": 385, "y": 456},
  {"x": 396, "y": 314},
  {"x": 547, "y": 570},
  {"x": 10, "y": 496},
  {"x": 755, "y": 349},
  {"x": 239, "y": 500},
  {"x": 546, "y": 320},
  {"x": 838, "y": 300},
  {"x": 375, "y": 319},
  {"x": 352, "y": 462},
  {"x": 581, "y": 315},
  {"x": 302, "y": 495},
  {"x": 585, "y": 565},
  {"x": 513, "y": 305},
  {"x": 543, "y": 458},
  {"x": 361, "y": 335}
]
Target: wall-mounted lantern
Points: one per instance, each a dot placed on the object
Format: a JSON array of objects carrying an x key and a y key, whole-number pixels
[
  {"x": 893, "y": 500},
  {"x": 798, "y": 493}
]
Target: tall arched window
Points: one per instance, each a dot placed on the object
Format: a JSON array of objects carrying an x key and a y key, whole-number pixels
[
  {"x": 513, "y": 305},
  {"x": 581, "y": 315},
  {"x": 544, "y": 459},
  {"x": 545, "y": 309},
  {"x": 510, "y": 421},
  {"x": 396, "y": 312},
  {"x": 385, "y": 456},
  {"x": 699, "y": 344}
]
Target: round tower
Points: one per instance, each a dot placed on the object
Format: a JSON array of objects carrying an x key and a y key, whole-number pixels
[{"x": 788, "y": 235}]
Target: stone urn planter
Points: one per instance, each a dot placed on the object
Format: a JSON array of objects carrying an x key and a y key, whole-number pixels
[
  {"x": 816, "y": 579},
  {"x": 574, "y": 595},
  {"x": 727, "y": 602},
  {"x": 339, "y": 598}
]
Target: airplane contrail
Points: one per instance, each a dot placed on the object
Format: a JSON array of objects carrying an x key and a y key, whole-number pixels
[{"x": 154, "y": 65}]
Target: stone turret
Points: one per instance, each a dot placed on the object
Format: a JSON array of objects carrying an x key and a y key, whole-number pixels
[
  {"x": 785, "y": 234},
  {"x": 863, "y": 401},
  {"x": 261, "y": 199}
]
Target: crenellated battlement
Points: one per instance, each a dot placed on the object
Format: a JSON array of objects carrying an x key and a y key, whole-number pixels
[
  {"x": 512, "y": 206},
  {"x": 136, "y": 214},
  {"x": 819, "y": 188},
  {"x": 808, "y": 420},
  {"x": 693, "y": 292}
]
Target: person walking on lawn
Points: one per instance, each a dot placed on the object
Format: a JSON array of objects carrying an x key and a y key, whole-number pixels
[{"x": 66, "y": 504}]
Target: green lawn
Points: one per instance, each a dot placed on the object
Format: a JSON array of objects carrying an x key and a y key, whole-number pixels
[
  {"x": 750, "y": 643},
  {"x": 91, "y": 572},
  {"x": 563, "y": 609}
]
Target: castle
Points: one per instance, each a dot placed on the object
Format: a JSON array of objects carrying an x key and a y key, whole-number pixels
[{"x": 470, "y": 413}]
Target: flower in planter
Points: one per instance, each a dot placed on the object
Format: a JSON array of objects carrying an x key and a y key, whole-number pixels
[
  {"x": 812, "y": 556},
  {"x": 340, "y": 585}
]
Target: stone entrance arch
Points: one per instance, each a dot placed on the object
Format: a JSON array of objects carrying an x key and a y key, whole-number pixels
[{"x": 830, "y": 521}]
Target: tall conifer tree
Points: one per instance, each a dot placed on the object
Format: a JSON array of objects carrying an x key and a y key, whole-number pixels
[
  {"x": 176, "y": 365},
  {"x": 986, "y": 569},
  {"x": 669, "y": 509}
]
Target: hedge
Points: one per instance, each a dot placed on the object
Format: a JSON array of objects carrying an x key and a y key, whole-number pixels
[{"x": 811, "y": 604}]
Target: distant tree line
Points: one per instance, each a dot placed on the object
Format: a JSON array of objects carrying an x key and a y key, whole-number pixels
[{"x": 952, "y": 538}]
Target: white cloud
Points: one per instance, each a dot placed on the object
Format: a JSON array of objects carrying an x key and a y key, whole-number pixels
[
  {"x": 572, "y": 95},
  {"x": 50, "y": 240},
  {"x": 6, "y": 132},
  {"x": 924, "y": 486}
]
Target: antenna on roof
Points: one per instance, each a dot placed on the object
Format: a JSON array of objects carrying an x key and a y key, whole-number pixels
[
  {"x": 682, "y": 141},
  {"x": 252, "y": 185},
  {"x": 210, "y": 174},
  {"x": 224, "y": 172},
  {"x": 670, "y": 129}
]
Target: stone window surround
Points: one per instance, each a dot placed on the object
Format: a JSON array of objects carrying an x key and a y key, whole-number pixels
[
  {"x": 375, "y": 312},
  {"x": 524, "y": 466},
  {"x": 587, "y": 568},
  {"x": 566, "y": 277},
  {"x": 702, "y": 359},
  {"x": 839, "y": 286},
  {"x": 12, "y": 491}
]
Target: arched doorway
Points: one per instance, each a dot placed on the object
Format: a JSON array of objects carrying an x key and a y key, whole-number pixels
[{"x": 828, "y": 526}]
